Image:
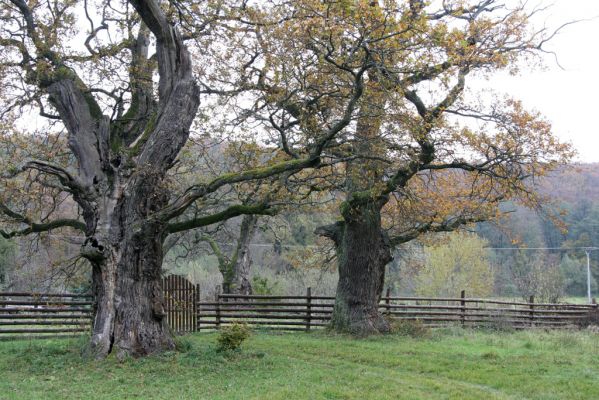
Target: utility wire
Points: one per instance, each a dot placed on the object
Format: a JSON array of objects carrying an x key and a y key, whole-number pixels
[{"x": 544, "y": 248}]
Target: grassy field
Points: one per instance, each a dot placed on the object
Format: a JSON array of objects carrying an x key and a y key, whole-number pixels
[{"x": 450, "y": 364}]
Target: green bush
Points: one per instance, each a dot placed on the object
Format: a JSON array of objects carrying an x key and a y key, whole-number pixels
[
  {"x": 412, "y": 328},
  {"x": 262, "y": 286},
  {"x": 182, "y": 344},
  {"x": 232, "y": 336}
]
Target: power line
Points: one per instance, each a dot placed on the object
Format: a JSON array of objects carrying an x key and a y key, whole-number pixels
[{"x": 544, "y": 248}]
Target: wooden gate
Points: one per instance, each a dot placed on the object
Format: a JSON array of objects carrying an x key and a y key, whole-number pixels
[{"x": 181, "y": 299}]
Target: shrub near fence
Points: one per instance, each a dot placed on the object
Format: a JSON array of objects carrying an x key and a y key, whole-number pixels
[
  {"x": 307, "y": 312},
  {"x": 37, "y": 315}
]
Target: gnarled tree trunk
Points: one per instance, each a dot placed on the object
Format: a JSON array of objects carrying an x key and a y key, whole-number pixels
[
  {"x": 363, "y": 251},
  {"x": 129, "y": 318},
  {"x": 127, "y": 265},
  {"x": 120, "y": 185}
]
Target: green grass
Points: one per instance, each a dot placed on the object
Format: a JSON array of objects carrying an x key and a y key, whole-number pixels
[
  {"x": 576, "y": 300},
  {"x": 451, "y": 364}
]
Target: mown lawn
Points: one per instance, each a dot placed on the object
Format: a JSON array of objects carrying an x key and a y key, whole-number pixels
[{"x": 451, "y": 364}]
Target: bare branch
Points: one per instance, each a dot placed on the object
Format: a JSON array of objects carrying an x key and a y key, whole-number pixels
[{"x": 33, "y": 227}]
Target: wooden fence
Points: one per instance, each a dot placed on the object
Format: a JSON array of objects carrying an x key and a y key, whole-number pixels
[
  {"x": 38, "y": 315},
  {"x": 43, "y": 315},
  {"x": 295, "y": 313}
]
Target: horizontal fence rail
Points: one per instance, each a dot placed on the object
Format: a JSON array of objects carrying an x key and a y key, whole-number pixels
[
  {"x": 42, "y": 315},
  {"x": 39, "y": 315},
  {"x": 303, "y": 313}
]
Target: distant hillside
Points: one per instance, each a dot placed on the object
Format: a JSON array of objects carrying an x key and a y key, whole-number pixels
[{"x": 573, "y": 183}]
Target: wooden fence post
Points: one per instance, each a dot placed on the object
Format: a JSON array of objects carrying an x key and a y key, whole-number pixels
[
  {"x": 308, "y": 308},
  {"x": 196, "y": 308},
  {"x": 531, "y": 301},
  {"x": 217, "y": 306},
  {"x": 594, "y": 301},
  {"x": 388, "y": 302},
  {"x": 463, "y": 308},
  {"x": 167, "y": 300}
]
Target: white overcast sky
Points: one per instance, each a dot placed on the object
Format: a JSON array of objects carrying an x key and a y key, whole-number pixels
[{"x": 568, "y": 97}]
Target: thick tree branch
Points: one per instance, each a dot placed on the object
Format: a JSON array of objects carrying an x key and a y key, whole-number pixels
[
  {"x": 233, "y": 211},
  {"x": 88, "y": 128},
  {"x": 45, "y": 227},
  {"x": 179, "y": 95},
  {"x": 332, "y": 231},
  {"x": 198, "y": 191},
  {"x": 173, "y": 58},
  {"x": 132, "y": 124}
]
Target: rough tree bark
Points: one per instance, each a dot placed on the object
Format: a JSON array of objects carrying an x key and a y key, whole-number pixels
[
  {"x": 125, "y": 245},
  {"x": 127, "y": 263},
  {"x": 363, "y": 252}
]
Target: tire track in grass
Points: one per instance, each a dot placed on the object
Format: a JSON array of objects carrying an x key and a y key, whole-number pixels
[
  {"x": 407, "y": 378},
  {"x": 426, "y": 381}
]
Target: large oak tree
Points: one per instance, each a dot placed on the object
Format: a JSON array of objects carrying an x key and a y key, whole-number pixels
[
  {"x": 424, "y": 152},
  {"x": 119, "y": 80}
]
